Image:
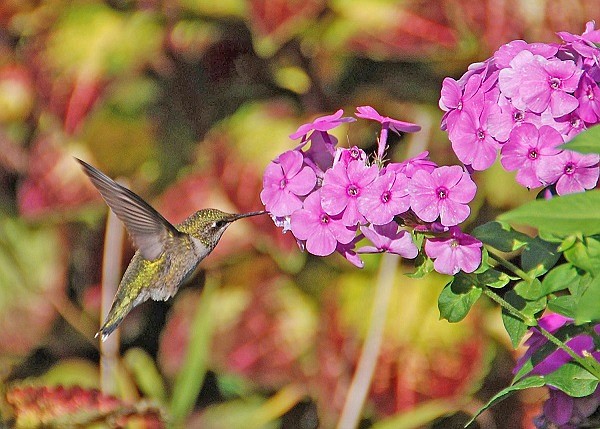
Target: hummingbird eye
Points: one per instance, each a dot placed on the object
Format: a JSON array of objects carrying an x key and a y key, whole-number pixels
[{"x": 219, "y": 224}]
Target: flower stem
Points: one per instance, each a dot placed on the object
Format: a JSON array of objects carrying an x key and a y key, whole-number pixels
[
  {"x": 361, "y": 382},
  {"x": 592, "y": 367},
  {"x": 509, "y": 265}
]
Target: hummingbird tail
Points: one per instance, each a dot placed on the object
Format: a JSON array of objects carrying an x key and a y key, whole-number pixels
[{"x": 107, "y": 329}]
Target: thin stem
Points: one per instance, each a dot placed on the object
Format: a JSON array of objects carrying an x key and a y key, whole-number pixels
[
  {"x": 111, "y": 270},
  {"x": 509, "y": 265},
  {"x": 589, "y": 366},
  {"x": 361, "y": 382}
]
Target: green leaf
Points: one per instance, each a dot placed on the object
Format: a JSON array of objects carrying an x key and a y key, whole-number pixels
[
  {"x": 493, "y": 278},
  {"x": 526, "y": 383},
  {"x": 565, "y": 305},
  {"x": 457, "y": 298},
  {"x": 146, "y": 374},
  {"x": 500, "y": 236},
  {"x": 559, "y": 278},
  {"x": 529, "y": 290},
  {"x": 585, "y": 254},
  {"x": 539, "y": 256},
  {"x": 516, "y": 327},
  {"x": 588, "y": 306},
  {"x": 424, "y": 266},
  {"x": 587, "y": 141},
  {"x": 563, "y": 215},
  {"x": 573, "y": 380}
]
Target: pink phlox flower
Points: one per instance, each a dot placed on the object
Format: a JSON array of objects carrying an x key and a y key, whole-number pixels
[
  {"x": 571, "y": 171},
  {"x": 435, "y": 227},
  {"x": 286, "y": 180},
  {"x": 525, "y": 149},
  {"x": 505, "y": 54},
  {"x": 368, "y": 112},
  {"x": 569, "y": 125},
  {"x": 321, "y": 231},
  {"x": 411, "y": 165},
  {"x": 588, "y": 95},
  {"x": 345, "y": 156},
  {"x": 503, "y": 117},
  {"x": 322, "y": 123},
  {"x": 445, "y": 192},
  {"x": 451, "y": 254},
  {"x": 471, "y": 141},
  {"x": 454, "y": 97},
  {"x": 385, "y": 198},
  {"x": 343, "y": 186},
  {"x": 349, "y": 252},
  {"x": 387, "y": 238},
  {"x": 550, "y": 83}
]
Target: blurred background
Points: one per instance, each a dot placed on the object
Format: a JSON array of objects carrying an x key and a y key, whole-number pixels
[{"x": 188, "y": 100}]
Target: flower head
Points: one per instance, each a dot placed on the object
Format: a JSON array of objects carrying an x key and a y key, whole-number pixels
[
  {"x": 284, "y": 181},
  {"x": 321, "y": 231},
  {"x": 458, "y": 252},
  {"x": 323, "y": 123},
  {"x": 445, "y": 192}
]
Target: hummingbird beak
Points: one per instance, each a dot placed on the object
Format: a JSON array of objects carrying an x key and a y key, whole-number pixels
[{"x": 243, "y": 215}]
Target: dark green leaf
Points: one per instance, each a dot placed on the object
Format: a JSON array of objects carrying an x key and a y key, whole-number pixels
[
  {"x": 500, "y": 236},
  {"x": 526, "y": 383},
  {"x": 493, "y": 278},
  {"x": 564, "y": 305},
  {"x": 423, "y": 266},
  {"x": 514, "y": 325},
  {"x": 539, "y": 256},
  {"x": 573, "y": 380},
  {"x": 529, "y": 290},
  {"x": 588, "y": 306},
  {"x": 564, "y": 215},
  {"x": 559, "y": 278},
  {"x": 587, "y": 141},
  {"x": 457, "y": 298}
]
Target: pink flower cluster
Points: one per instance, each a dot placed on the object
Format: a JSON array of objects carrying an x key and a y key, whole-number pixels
[
  {"x": 524, "y": 102},
  {"x": 333, "y": 198}
]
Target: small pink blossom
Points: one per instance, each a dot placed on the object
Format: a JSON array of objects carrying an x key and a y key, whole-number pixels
[
  {"x": 321, "y": 231},
  {"x": 571, "y": 171},
  {"x": 445, "y": 192},
  {"x": 284, "y": 182},
  {"x": 525, "y": 149},
  {"x": 368, "y": 112},
  {"x": 458, "y": 252},
  {"x": 387, "y": 238},
  {"x": 471, "y": 141},
  {"x": 323, "y": 123},
  {"x": 385, "y": 198},
  {"x": 343, "y": 186}
]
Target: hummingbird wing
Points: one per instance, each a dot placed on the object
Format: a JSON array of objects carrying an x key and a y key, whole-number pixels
[{"x": 148, "y": 229}]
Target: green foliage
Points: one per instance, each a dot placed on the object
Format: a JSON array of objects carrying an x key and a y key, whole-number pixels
[
  {"x": 458, "y": 297},
  {"x": 563, "y": 215}
]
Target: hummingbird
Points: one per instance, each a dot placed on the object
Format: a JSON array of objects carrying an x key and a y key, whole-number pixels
[{"x": 166, "y": 254}]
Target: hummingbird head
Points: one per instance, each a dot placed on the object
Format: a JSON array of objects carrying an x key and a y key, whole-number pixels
[{"x": 208, "y": 225}]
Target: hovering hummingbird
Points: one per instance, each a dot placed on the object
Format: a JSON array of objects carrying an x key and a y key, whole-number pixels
[{"x": 166, "y": 254}]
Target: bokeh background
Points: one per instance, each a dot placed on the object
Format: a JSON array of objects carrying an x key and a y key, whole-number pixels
[{"x": 188, "y": 100}]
